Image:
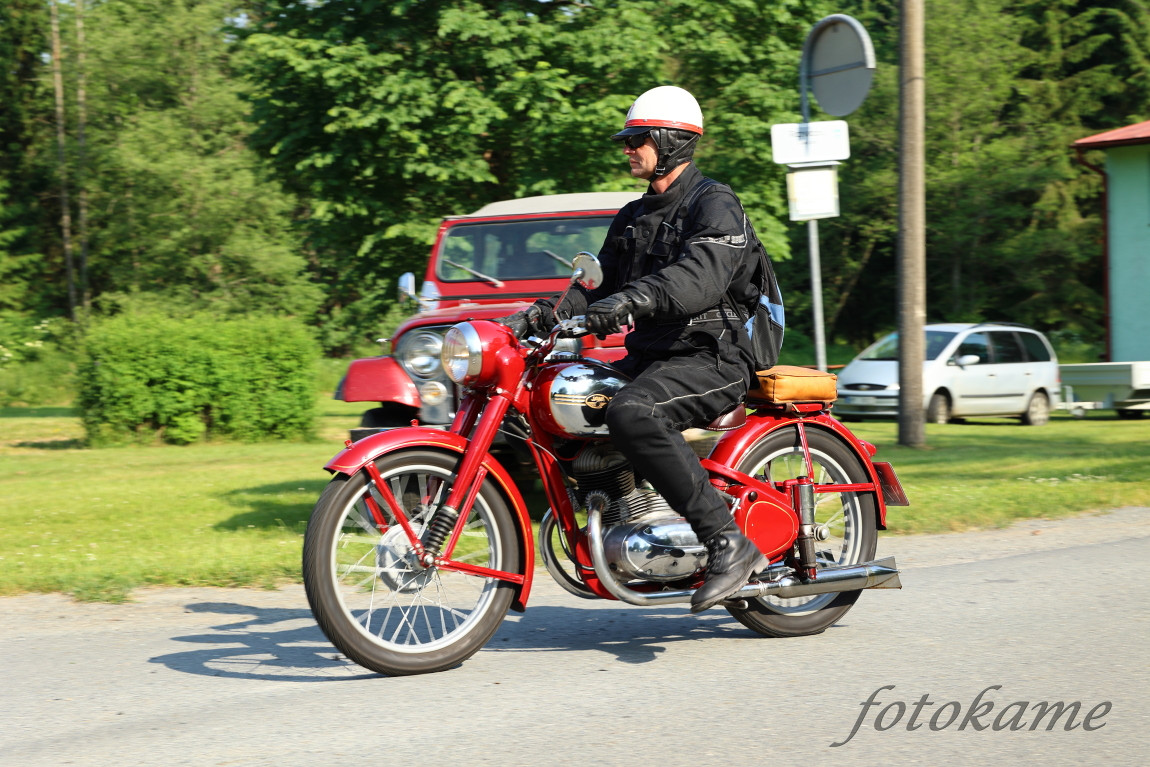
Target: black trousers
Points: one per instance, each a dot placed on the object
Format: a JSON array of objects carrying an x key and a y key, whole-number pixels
[{"x": 647, "y": 417}]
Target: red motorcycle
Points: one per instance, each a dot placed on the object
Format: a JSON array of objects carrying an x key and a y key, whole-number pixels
[{"x": 422, "y": 541}]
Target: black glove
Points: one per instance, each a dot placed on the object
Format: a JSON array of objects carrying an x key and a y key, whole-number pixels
[
  {"x": 608, "y": 315},
  {"x": 534, "y": 320}
]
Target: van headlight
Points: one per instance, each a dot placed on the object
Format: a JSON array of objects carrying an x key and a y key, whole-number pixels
[{"x": 419, "y": 353}]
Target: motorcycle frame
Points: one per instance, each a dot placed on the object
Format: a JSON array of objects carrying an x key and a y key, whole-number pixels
[{"x": 477, "y": 422}]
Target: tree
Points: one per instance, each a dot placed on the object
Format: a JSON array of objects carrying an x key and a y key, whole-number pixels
[
  {"x": 1012, "y": 232},
  {"x": 23, "y": 28},
  {"x": 387, "y": 115},
  {"x": 181, "y": 210}
]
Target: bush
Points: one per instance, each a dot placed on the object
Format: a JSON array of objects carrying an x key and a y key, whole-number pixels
[
  {"x": 147, "y": 376},
  {"x": 36, "y": 367}
]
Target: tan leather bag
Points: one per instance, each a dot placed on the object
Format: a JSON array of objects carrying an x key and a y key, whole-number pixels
[{"x": 789, "y": 383}]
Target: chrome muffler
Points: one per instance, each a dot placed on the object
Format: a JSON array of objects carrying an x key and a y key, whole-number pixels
[{"x": 879, "y": 574}]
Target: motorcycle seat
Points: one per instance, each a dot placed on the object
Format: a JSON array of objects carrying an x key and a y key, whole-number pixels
[{"x": 729, "y": 421}]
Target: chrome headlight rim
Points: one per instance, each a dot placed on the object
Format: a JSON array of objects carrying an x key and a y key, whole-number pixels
[
  {"x": 419, "y": 352},
  {"x": 462, "y": 353}
]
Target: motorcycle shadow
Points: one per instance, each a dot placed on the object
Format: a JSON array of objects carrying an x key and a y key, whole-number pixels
[
  {"x": 261, "y": 643},
  {"x": 632, "y": 635},
  {"x": 285, "y": 644}
]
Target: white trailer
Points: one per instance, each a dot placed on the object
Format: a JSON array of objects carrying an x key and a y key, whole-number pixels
[{"x": 1123, "y": 386}]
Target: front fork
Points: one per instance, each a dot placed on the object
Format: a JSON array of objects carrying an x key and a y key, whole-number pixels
[{"x": 469, "y": 476}]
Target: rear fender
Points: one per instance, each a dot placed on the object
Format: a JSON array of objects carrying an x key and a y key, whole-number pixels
[
  {"x": 354, "y": 457},
  {"x": 378, "y": 379},
  {"x": 734, "y": 444}
]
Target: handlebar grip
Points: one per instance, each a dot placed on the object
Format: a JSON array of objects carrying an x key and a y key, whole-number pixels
[{"x": 575, "y": 327}]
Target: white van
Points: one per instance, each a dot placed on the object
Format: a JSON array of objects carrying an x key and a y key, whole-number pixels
[{"x": 988, "y": 369}]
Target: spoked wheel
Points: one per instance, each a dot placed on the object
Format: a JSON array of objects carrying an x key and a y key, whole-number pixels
[
  {"x": 370, "y": 594},
  {"x": 844, "y": 521}
]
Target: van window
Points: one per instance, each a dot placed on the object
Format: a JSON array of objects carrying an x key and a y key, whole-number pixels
[
  {"x": 975, "y": 343},
  {"x": 1006, "y": 348},
  {"x": 1036, "y": 350},
  {"x": 887, "y": 348}
]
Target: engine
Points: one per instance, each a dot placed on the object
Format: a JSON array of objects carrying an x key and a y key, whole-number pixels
[{"x": 643, "y": 537}]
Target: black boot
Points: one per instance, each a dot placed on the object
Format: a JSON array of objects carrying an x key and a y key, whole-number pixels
[{"x": 731, "y": 558}]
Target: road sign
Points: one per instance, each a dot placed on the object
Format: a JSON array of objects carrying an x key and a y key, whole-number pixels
[
  {"x": 796, "y": 143},
  {"x": 838, "y": 63},
  {"x": 813, "y": 192}
]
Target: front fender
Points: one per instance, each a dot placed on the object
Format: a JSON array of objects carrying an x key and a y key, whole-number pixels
[
  {"x": 378, "y": 379},
  {"x": 354, "y": 457},
  {"x": 734, "y": 444}
]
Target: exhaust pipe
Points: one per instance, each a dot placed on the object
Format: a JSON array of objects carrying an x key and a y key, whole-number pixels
[{"x": 879, "y": 574}]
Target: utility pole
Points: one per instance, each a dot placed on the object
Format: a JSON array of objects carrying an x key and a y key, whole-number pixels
[{"x": 912, "y": 226}]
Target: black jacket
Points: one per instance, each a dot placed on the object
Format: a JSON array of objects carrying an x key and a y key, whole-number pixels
[{"x": 685, "y": 264}]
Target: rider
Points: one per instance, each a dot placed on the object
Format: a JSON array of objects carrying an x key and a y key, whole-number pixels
[{"x": 673, "y": 261}]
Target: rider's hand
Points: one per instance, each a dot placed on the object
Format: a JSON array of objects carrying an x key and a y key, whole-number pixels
[
  {"x": 531, "y": 321},
  {"x": 608, "y": 315}
]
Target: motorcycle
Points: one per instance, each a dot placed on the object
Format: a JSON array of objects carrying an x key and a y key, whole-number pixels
[{"x": 422, "y": 541}]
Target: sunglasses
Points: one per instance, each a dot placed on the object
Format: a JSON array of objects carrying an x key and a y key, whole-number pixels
[{"x": 636, "y": 141}]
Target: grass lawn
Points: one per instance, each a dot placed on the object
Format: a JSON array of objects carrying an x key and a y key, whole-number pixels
[{"x": 98, "y": 523}]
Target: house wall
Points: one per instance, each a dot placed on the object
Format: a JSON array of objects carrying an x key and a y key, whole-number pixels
[{"x": 1128, "y": 169}]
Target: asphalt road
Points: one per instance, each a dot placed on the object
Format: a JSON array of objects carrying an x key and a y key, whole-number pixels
[{"x": 1046, "y": 611}]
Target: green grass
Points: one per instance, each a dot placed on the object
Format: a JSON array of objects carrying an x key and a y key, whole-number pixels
[
  {"x": 992, "y": 472},
  {"x": 98, "y": 523}
]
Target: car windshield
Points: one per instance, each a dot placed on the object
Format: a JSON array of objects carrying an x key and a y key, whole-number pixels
[
  {"x": 519, "y": 250},
  {"x": 887, "y": 348}
]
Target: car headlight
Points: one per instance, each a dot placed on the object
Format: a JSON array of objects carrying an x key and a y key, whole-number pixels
[
  {"x": 418, "y": 352},
  {"x": 462, "y": 354}
]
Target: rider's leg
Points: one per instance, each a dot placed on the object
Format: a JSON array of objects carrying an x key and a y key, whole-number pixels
[{"x": 646, "y": 420}]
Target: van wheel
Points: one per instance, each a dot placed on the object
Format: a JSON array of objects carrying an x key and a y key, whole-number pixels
[
  {"x": 1038, "y": 411},
  {"x": 938, "y": 411}
]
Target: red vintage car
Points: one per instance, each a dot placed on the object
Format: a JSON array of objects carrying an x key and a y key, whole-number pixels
[{"x": 487, "y": 264}]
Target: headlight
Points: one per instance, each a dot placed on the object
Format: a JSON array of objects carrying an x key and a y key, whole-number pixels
[
  {"x": 419, "y": 353},
  {"x": 462, "y": 354}
]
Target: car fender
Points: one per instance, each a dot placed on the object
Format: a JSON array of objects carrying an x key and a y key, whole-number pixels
[
  {"x": 356, "y": 455},
  {"x": 378, "y": 379}
]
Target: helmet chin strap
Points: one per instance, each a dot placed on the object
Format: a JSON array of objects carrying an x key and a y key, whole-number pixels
[{"x": 672, "y": 149}]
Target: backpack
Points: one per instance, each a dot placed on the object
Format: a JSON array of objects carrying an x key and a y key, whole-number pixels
[{"x": 767, "y": 322}]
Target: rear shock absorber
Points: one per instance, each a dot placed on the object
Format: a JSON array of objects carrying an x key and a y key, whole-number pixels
[{"x": 805, "y": 490}]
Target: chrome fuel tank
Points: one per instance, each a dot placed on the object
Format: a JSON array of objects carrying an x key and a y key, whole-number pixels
[{"x": 570, "y": 399}]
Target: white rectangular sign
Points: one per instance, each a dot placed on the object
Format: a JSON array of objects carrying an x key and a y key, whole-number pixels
[
  {"x": 796, "y": 143},
  {"x": 813, "y": 193}
]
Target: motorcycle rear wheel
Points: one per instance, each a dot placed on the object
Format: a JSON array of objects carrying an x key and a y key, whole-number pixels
[
  {"x": 847, "y": 519},
  {"x": 372, "y": 598}
]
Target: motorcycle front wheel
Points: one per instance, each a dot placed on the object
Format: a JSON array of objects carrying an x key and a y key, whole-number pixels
[
  {"x": 845, "y": 521},
  {"x": 369, "y": 593}
]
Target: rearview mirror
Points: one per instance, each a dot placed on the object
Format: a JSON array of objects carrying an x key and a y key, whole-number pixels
[
  {"x": 588, "y": 270},
  {"x": 407, "y": 287}
]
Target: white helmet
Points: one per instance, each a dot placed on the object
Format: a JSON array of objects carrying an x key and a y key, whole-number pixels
[
  {"x": 672, "y": 117},
  {"x": 663, "y": 107}
]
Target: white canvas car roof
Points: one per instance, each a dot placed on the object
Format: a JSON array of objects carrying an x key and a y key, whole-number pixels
[{"x": 557, "y": 203}]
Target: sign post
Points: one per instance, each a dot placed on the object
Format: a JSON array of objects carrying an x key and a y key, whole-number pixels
[{"x": 838, "y": 66}]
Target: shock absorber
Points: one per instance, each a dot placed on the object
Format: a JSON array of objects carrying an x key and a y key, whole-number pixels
[
  {"x": 442, "y": 523},
  {"x": 805, "y": 489}
]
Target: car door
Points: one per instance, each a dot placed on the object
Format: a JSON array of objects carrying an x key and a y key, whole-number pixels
[
  {"x": 974, "y": 385},
  {"x": 1011, "y": 373}
]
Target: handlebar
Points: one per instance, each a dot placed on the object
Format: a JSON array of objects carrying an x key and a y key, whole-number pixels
[{"x": 574, "y": 327}]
